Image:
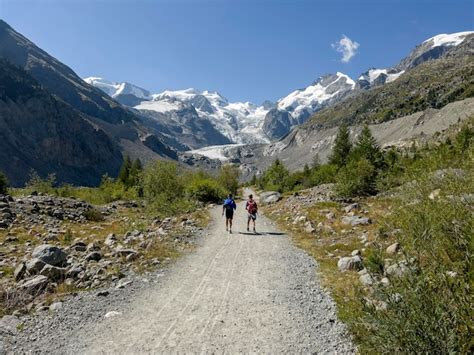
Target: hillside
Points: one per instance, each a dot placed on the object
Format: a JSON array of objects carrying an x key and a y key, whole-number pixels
[{"x": 40, "y": 132}]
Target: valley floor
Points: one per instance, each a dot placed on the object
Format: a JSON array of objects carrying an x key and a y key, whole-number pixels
[{"x": 236, "y": 292}]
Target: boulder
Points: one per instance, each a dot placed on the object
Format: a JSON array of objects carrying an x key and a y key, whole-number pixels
[
  {"x": 50, "y": 254},
  {"x": 355, "y": 220},
  {"x": 35, "y": 285},
  {"x": 393, "y": 249},
  {"x": 350, "y": 263},
  {"x": 19, "y": 272},
  {"x": 53, "y": 273},
  {"x": 95, "y": 256},
  {"x": 33, "y": 266},
  {"x": 125, "y": 252},
  {"x": 366, "y": 279},
  {"x": 79, "y": 246},
  {"x": 270, "y": 197}
]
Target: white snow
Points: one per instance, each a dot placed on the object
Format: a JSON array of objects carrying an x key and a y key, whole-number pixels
[
  {"x": 215, "y": 151},
  {"x": 452, "y": 39},
  {"x": 158, "y": 106},
  {"x": 312, "y": 96},
  {"x": 114, "y": 89},
  {"x": 373, "y": 74}
]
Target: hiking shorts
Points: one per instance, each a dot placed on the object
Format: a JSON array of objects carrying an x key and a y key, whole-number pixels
[
  {"x": 229, "y": 214},
  {"x": 252, "y": 216}
]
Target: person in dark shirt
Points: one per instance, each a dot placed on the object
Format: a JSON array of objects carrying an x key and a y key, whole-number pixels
[{"x": 229, "y": 208}]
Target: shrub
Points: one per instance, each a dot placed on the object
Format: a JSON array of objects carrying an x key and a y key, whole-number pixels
[
  {"x": 323, "y": 174},
  {"x": 357, "y": 178},
  {"x": 206, "y": 190},
  {"x": 229, "y": 178},
  {"x": 3, "y": 184},
  {"x": 93, "y": 215},
  {"x": 162, "y": 181},
  {"x": 38, "y": 184}
]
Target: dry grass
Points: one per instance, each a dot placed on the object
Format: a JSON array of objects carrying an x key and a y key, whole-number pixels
[{"x": 327, "y": 247}]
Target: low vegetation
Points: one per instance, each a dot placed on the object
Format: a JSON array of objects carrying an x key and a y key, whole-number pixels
[
  {"x": 420, "y": 198},
  {"x": 163, "y": 186}
]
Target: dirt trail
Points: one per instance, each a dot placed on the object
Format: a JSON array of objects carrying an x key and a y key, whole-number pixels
[{"x": 236, "y": 293}]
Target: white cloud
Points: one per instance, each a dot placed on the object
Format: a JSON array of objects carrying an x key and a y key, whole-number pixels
[{"x": 347, "y": 47}]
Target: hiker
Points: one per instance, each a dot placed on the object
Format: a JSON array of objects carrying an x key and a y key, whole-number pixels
[
  {"x": 252, "y": 209},
  {"x": 228, "y": 209}
]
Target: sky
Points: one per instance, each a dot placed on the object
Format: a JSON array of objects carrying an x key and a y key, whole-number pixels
[{"x": 247, "y": 50}]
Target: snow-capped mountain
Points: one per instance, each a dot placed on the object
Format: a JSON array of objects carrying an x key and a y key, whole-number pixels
[
  {"x": 298, "y": 106},
  {"x": 205, "y": 118},
  {"x": 125, "y": 93}
]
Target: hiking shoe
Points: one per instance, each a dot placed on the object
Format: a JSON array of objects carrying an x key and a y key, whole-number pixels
[
  {"x": 248, "y": 229},
  {"x": 230, "y": 231}
]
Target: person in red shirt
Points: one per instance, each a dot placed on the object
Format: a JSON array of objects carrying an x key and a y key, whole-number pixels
[{"x": 252, "y": 209}]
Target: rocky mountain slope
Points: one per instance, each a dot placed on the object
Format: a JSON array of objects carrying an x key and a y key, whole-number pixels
[
  {"x": 116, "y": 127},
  {"x": 40, "y": 132}
]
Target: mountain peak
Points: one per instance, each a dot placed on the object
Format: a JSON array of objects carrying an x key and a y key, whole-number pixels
[{"x": 445, "y": 39}]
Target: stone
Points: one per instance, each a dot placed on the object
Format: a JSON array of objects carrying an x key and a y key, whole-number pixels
[
  {"x": 93, "y": 247},
  {"x": 270, "y": 197},
  {"x": 397, "y": 269},
  {"x": 132, "y": 257},
  {"x": 355, "y": 220},
  {"x": 351, "y": 207},
  {"x": 74, "y": 271},
  {"x": 308, "y": 228},
  {"x": 123, "y": 284},
  {"x": 355, "y": 252},
  {"x": 53, "y": 273},
  {"x": 33, "y": 266},
  {"x": 385, "y": 281},
  {"x": 19, "y": 272},
  {"x": 350, "y": 263},
  {"x": 79, "y": 246},
  {"x": 434, "y": 194},
  {"x": 125, "y": 252},
  {"x": 112, "y": 314},
  {"x": 366, "y": 279},
  {"x": 330, "y": 216},
  {"x": 110, "y": 240},
  {"x": 35, "y": 285},
  {"x": 102, "y": 293},
  {"x": 393, "y": 249},
  {"x": 50, "y": 254},
  {"x": 56, "y": 306},
  {"x": 94, "y": 256}
]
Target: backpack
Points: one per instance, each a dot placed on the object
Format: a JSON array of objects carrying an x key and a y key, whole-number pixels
[
  {"x": 252, "y": 207},
  {"x": 229, "y": 204}
]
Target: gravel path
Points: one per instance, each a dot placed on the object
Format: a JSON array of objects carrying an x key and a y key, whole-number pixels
[{"x": 236, "y": 293}]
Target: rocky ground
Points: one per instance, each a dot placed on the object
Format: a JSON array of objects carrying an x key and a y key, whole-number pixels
[
  {"x": 341, "y": 235},
  {"x": 236, "y": 292},
  {"x": 52, "y": 248}
]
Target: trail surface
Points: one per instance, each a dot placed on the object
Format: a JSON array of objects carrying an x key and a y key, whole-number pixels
[{"x": 236, "y": 293}]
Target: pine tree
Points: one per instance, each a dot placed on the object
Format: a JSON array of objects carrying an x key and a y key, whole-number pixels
[
  {"x": 342, "y": 147},
  {"x": 135, "y": 171},
  {"x": 276, "y": 176},
  {"x": 124, "y": 173},
  {"x": 316, "y": 163},
  {"x": 368, "y": 148},
  {"x": 306, "y": 170},
  {"x": 253, "y": 181}
]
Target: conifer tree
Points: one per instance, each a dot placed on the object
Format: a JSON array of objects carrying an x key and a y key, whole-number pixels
[
  {"x": 368, "y": 148},
  {"x": 342, "y": 147},
  {"x": 124, "y": 173}
]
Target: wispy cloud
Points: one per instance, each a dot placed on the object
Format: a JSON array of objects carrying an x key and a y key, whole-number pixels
[{"x": 347, "y": 47}]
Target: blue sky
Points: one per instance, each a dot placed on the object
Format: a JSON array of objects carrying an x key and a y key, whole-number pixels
[{"x": 245, "y": 49}]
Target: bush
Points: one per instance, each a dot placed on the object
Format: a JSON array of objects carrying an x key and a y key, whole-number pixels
[
  {"x": 93, "y": 215},
  {"x": 228, "y": 178},
  {"x": 206, "y": 190},
  {"x": 323, "y": 174},
  {"x": 3, "y": 184},
  {"x": 357, "y": 178}
]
